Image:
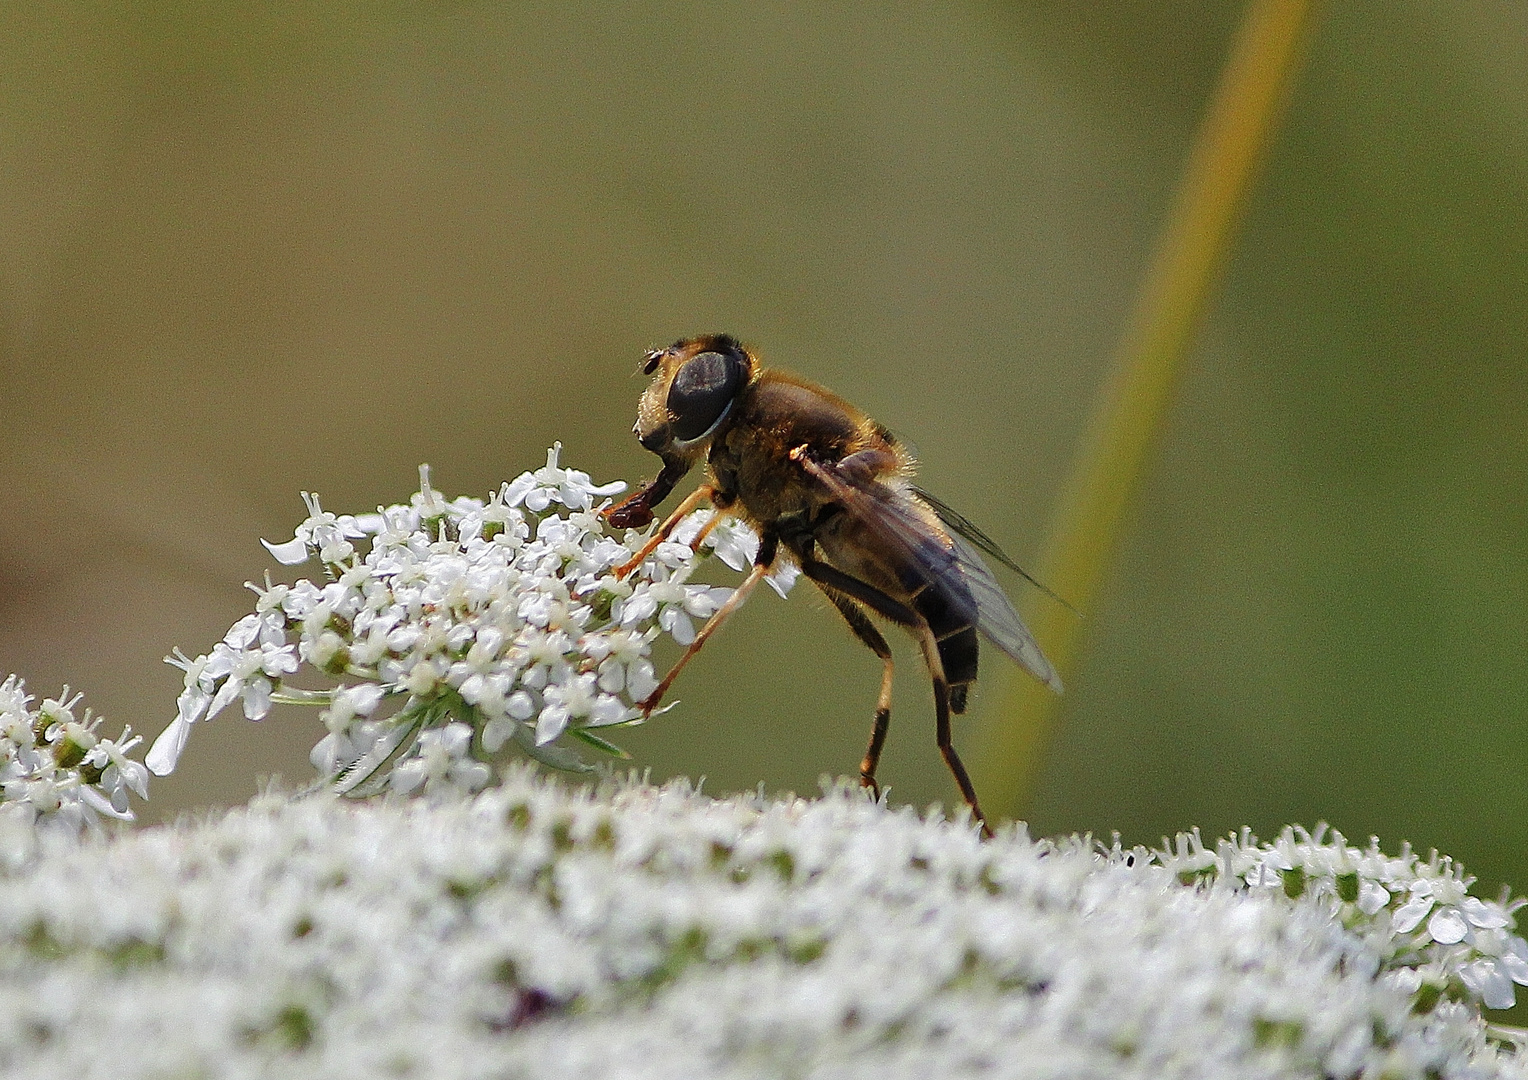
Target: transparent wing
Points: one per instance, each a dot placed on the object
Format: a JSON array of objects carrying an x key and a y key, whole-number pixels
[
  {"x": 898, "y": 520},
  {"x": 996, "y": 617},
  {"x": 963, "y": 526}
]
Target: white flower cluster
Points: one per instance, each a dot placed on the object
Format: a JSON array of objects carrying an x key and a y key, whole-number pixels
[
  {"x": 1434, "y": 939},
  {"x": 649, "y": 932},
  {"x": 464, "y": 626},
  {"x": 56, "y": 771}
]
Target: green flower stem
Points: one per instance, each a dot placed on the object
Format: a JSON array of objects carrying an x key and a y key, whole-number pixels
[
  {"x": 1134, "y": 399},
  {"x": 294, "y": 695}
]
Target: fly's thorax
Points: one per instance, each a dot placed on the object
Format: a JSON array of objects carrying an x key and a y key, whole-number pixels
[
  {"x": 783, "y": 412},
  {"x": 767, "y": 486}
]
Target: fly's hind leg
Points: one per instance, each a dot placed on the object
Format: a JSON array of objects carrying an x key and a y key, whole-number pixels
[
  {"x": 900, "y": 613},
  {"x": 942, "y": 724},
  {"x": 865, "y": 630}
]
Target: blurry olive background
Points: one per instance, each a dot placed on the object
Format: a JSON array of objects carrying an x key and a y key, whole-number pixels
[{"x": 244, "y": 254}]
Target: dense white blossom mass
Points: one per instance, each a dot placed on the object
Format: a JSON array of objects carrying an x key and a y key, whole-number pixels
[
  {"x": 56, "y": 770},
  {"x": 465, "y": 626},
  {"x": 537, "y": 931},
  {"x": 527, "y": 929}
]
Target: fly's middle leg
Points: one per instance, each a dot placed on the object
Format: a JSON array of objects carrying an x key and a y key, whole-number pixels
[
  {"x": 865, "y": 630},
  {"x": 769, "y": 545}
]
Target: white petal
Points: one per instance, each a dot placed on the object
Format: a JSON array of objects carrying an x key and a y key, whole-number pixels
[
  {"x": 272, "y": 633},
  {"x": 1410, "y": 914},
  {"x": 220, "y": 662},
  {"x": 640, "y": 607},
  {"x": 257, "y": 698},
  {"x": 364, "y": 698},
  {"x": 111, "y": 783},
  {"x": 551, "y": 723},
  {"x": 102, "y": 805},
  {"x": 290, "y": 553},
  {"x": 473, "y": 687},
  {"x": 242, "y": 634},
  {"x": 330, "y": 752},
  {"x": 640, "y": 680},
  {"x": 686, "y": 531},
  {"x": 1484, "y": 915},
  {"x": 678, "y": 624},
  {"x": 456, "y": 738},
  {"x": 470, "y": 775},
  {"x": 1447, "y": 926},
  {"x": 408, "y": 776},
  {"x": 608, "y": 710},
  {"x": 514, "y": 492},
  {"x": 193, "y": 701},
  {"x": 735, "y": 544},
  {"x": 165, "y": 752},
  {"x": 1490, "y": 982},
  {"x": 1407, "y": 980},
  {"x": 1371, "y": 897},
  {"x": 783, "y": 577},
  {"x": 574, "y": 496},
  {"x": 225, "y": 696},
  {"x": 135, "y": 776},
  {"x": 1515, "y": 966},
  {"x": 612, "y": 676},
  {"x": 276, "y": 660},
  {"x": 497, "y": 732}
]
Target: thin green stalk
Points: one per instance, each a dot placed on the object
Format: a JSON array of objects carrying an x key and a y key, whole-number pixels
[{"x": 1133, "y": 401}]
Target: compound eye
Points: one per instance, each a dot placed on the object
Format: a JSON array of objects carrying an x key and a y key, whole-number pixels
[{"x": 702, "y": 394}]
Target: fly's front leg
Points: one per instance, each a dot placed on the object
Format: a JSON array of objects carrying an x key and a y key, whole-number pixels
[
  {"x": 696, "y": 497},
  {"x": 636, "y": 510}
]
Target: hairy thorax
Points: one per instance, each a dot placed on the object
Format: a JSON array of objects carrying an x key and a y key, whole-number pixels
[{"x": 775, "y": 416}]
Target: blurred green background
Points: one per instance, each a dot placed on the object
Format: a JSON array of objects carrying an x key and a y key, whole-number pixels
[{"x": 250, "y": 251}]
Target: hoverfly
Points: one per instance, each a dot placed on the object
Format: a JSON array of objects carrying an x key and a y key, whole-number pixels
[{"x": 825, "y": 485}]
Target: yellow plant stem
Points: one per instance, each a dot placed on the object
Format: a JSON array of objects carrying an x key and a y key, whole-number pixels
[{"x": 1134, "y": 399}]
